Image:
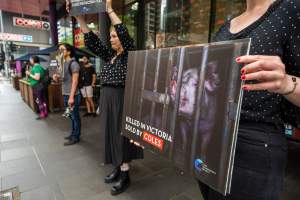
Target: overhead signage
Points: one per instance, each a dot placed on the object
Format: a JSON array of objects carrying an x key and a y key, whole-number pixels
[
  {"x": 16, "y": 37},
  {"x": 30, "y": 23}
]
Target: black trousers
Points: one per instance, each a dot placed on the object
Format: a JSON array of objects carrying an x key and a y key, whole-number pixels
[
  {"x": 118, "y": 148},
  {"x": 259, "y": 165}
]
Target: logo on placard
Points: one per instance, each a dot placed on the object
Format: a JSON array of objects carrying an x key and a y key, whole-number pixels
[
  {"x": 199, "y": 164},
  {"x": 85, "y": 9},
  {"x": 153, "y": 140}
]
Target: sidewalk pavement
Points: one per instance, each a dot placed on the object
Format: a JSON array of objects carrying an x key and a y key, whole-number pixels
[{"x": 34, "y": 159}]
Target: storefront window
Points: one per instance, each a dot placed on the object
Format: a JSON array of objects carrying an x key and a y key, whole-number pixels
[
  {"x": 130, "y": 19},
  {"x": 176, "y": 22},
  {"x": 226, "y": 10},
  {"x": 65, "y": 34},
  {"x": 79, "y": 36}
]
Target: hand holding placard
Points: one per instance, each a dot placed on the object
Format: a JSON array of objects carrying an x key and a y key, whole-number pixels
[{"x": 81, "y": 7}]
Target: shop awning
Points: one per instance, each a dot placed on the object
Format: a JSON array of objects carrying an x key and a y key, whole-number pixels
[
  {"x": 27, "y": 58},
  {"x": 48, "y": 51}
]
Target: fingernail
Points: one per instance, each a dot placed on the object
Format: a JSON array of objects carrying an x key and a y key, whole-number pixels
[
  {"x": 238, "y": 59},
  {"x": 243, "y": 77},
  {"x": 243, "y": 71},
  {"x": 245, "y": 88}
]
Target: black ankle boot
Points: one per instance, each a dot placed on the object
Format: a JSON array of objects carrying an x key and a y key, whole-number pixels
[
  {"x": 122, "y": 184},
  {"x": 113, "y": 176}
]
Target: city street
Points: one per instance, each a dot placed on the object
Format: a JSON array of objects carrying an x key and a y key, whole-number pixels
[{"x": 34, "y": 159}]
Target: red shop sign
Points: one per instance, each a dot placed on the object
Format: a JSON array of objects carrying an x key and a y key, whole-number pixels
[{"x": 30, "y": 23}]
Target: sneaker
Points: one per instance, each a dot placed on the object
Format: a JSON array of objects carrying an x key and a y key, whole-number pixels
[
  {"x": 67, "y": 137},
  {"x": 87, "y": 114},
  {"x": 71, "y": 142}
]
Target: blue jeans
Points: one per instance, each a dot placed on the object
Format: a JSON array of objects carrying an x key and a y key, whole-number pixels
[{"x": 76, "y": 122}]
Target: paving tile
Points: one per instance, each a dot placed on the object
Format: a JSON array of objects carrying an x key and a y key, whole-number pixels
[
  {"x": 43, "y": 193},
  {"x": 27, "y": 180},
  {"x": 12, "y": 167},
  {"x": 75, "y": 173},
  {"x": 12, "y": 144},
  {"x": 16, "y": 153},
  {"x": 107, "y": 196},
  {"x": 12, "y": 137},
  {"x": 81, "y": 186}
]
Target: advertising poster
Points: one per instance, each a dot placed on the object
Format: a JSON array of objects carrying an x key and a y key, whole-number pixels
[
  {"x": 79, "y": 38},
  {"x": 55, "y": 63},
  {"x": 82, "y": 7},
  {"x": 183, "y": 103}
]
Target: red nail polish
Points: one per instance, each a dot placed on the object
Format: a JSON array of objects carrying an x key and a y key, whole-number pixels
[
  {"x": 245, "y": 88},
  {"x": 243, "y": 77},
  {"x": 243, "y": 71},
  {"x": 238, "y": 59}
]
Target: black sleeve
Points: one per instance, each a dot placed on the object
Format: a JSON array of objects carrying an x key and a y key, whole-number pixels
[
  {"x": 93, "y": 70},
  {"x": 95, "y": 45},
  {"x": 126, "y": 41},
  {"x": 292, "y": 61},
  {"x": 292, "y": 44}
]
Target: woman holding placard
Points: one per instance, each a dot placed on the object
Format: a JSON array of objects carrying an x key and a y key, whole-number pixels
[
  {"x": 271, "y": 97},
  {"x": 119, "y": 151}
]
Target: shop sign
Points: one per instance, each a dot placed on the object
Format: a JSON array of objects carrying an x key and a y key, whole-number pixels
[
  {"x": 15, "y": 37},
  {"x": 87, "y": 7},
  {"x": 30, "y": 23}
]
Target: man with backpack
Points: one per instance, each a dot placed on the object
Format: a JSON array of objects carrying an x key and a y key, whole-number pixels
[{"x": 69, "y": 75}]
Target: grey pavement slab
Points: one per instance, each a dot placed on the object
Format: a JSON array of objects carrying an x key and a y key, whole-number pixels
[
  {"x": 16, "y": 153},
  {"x": 16, "y": 166},
  {"x": 27, "y": 180},
  {"x": 32, "y": 156},
  {"x": 42, "y": 193}
]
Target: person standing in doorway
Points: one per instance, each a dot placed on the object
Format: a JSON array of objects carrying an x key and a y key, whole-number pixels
[
  {"x": 87, "y": 79},
  {"x": 69, "y": 75}
]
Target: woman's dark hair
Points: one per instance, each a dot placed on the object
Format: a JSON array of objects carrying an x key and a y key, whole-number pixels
[
  {"x": 35, "y": 59},
  {"x": 69, "y": 48}
]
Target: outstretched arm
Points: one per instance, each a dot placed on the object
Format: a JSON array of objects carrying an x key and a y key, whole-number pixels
[
  {"x": 126, "y": 41},
  {"x": 92, "y": 42}
]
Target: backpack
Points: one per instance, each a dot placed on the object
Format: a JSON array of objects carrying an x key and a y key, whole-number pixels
[
  {"x": 80, "y": 83},
  {"x": 47, "y": 79}
]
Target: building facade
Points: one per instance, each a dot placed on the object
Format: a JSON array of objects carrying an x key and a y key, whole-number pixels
[{"x": 167, "y": 23}]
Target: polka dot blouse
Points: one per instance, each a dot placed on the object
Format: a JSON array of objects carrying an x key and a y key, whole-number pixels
[
  {"x": 277, "y": 32},
  {"x": 113, "y": 73}
]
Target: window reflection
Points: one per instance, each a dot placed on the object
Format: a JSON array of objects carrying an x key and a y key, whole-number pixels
[
  {"x": 169, "y": 23},
  {"x": 130, "y": 19},
  {"x": 227, "y": 10},
  {"x": 176, "y": 22}
]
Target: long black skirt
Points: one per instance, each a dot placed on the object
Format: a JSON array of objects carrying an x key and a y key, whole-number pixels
[
  {"x": 259, "y": 165},
  {"x": 118, "y": 148}
]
